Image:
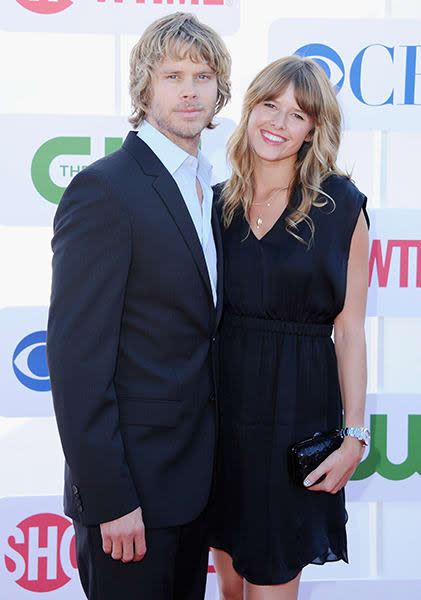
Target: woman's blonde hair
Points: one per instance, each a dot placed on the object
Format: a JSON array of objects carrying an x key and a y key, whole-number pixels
[
  {"x": 316, "y": 158},
  {"x": 177, "y": 36}
]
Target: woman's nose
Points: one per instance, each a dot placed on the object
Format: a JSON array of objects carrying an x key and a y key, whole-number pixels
[{"x": 279, "y": 120}]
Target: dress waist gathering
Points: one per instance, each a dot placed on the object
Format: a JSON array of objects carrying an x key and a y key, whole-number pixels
[{"x": 278, "y": 325}]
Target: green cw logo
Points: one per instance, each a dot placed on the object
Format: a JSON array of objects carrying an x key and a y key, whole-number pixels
[
  {"x": 377, "y": 460},
  {"x": 44, "y": 156}
]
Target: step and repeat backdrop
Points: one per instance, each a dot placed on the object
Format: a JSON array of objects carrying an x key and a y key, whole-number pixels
[{"x": 374, "y": 62}]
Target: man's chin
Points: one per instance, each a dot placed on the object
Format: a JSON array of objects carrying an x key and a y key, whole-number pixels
[{"x": 188, "y": 133}]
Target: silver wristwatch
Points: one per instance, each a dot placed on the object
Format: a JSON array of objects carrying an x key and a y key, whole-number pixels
[{"x": 361, "y": 433}]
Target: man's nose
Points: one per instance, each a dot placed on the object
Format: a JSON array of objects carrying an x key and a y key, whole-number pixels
[{"x": 189, "y": 89}]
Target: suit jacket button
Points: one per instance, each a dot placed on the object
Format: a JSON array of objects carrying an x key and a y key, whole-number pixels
[
  {"x": 212, "y": 398},
  {"x": 80, "y": 508}
]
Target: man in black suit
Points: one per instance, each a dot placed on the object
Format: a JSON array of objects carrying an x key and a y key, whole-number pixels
[{"x": 135, "y": 306}]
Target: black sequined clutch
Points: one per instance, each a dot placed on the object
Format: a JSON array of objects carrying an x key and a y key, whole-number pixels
[{"x": 307, "y": 455}]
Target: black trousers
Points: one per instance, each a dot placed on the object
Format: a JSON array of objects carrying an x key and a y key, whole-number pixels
[{"x": 173, "y": 568}]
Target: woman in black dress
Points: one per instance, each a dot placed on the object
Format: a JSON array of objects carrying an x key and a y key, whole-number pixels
[{"x": 295, "y": 240}]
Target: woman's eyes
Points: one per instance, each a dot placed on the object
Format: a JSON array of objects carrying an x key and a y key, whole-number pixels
[{"x": 296, "y": 115}]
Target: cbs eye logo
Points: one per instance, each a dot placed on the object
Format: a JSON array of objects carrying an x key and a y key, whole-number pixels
[
  {"x": 30, "y": 362},
  {"x": 328, "y": 59},
  {"x": 45, "y": 7}
]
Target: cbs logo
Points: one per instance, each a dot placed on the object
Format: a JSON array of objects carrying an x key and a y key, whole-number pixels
[
  {"x": 30, "y": 362},
  {"x": 396, "y": 64}
]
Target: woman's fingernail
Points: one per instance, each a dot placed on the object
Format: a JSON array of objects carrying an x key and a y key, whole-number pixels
[{"x": 307, "y": 482}]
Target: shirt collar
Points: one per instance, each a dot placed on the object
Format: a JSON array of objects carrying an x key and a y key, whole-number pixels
[
  {"x": 171, "y": 155},
  {"x": 204, "y": 168}
]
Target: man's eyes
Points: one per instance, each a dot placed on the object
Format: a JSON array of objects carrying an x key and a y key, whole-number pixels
[{"x": 201, "y": 76}]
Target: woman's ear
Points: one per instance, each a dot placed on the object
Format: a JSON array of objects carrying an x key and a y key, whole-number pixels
[{"x": 309, "y": 136}]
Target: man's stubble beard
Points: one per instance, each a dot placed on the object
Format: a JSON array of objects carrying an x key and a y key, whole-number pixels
[{"x": 190, "y": 131}]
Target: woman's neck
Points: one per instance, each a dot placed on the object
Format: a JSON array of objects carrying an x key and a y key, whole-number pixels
[{"x": 269, "y": 175}]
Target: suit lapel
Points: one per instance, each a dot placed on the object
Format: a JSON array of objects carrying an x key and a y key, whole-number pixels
[
  {"x": 216, "y": 226},
  {"x": 172, "y": 198},
  {"x": 170, "y": 195}
]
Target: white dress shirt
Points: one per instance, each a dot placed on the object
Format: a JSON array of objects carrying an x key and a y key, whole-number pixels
[{"x": 185, "y": 168}]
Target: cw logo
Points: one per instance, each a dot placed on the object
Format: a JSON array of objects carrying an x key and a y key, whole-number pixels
[
  {"x": 377, "y": 460},
  {"x": 383, "y": 267},
  {"x": 45, "y": 7},
  {"x": 333, "y": 65},
  {"x": 41, "y": 553},
  {"x": 40, "y": 168}
]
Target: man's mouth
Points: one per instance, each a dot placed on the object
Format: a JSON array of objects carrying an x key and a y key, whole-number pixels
[{"x": 189, "y": 111}]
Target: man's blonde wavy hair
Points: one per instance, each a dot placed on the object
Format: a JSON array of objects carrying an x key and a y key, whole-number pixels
[
  {"x": 316, "y": 159},
  {"x": 178, "y": 36}
]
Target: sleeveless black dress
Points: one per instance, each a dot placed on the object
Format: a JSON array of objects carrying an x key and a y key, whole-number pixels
[{"x": 279, "y": 385}]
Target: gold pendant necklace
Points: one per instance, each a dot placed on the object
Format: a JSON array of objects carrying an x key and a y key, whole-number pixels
[{"x": 259, "y": 220}]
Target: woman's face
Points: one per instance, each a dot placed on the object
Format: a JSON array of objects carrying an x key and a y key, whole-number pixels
[{"x": 277, "y": 128}]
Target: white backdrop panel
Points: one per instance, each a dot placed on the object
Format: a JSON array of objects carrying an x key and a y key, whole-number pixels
[
  {"x": 374, "y": 64},
  {"x": 113, "y": 16},
  {"x": 57, "y": 147},
  {"x": 23, "y": 363},
  {"x": 395, "y": 263},
  {"x": 37, "y": 557},
  {"x": 391, "y": 470}
]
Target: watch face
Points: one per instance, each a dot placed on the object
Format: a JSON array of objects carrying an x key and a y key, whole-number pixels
[{"x": 366, "y": 436}]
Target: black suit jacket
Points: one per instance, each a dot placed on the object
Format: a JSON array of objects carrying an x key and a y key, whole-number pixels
[{"x": 131, "y": 343}]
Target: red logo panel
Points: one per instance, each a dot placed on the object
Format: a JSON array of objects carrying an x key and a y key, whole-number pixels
[
  {"x": 42, "y": 553},
  {"x": 45, "y": 7},
  {"x": 383, "y": 264}
]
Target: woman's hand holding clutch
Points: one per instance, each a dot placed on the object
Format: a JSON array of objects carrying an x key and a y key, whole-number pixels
[{"x": 337, "y": 468}]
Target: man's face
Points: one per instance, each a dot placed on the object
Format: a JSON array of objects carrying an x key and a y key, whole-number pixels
[{"x": 183, "y": 99}]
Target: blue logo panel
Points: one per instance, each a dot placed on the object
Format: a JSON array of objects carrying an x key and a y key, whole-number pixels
[
  {"x": 30, "y": 362},
  {"x": 328, "y": 59},
  {"x": 23, "y": 362}
]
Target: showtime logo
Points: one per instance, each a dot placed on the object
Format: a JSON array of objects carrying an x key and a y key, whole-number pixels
[
  {"x": 383, "y": 265},
  {"x": 40, "y": 554},
  {"x": 45, "y": 7},
  {"x": 49, "y": 7},
  {"x": 179, "y": 2}
]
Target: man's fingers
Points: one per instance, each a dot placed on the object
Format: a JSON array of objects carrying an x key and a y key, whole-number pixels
[
  {"x": 139, "y": 546},
  {"x": 117, "y": 552},
  {"x": 127, "y": 549},
  {"x": 106, "y": 543},
  {"x": 121, "y": 536}
]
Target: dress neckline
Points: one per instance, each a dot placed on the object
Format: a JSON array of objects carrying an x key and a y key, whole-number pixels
[{"x": 261, "y": 239}]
